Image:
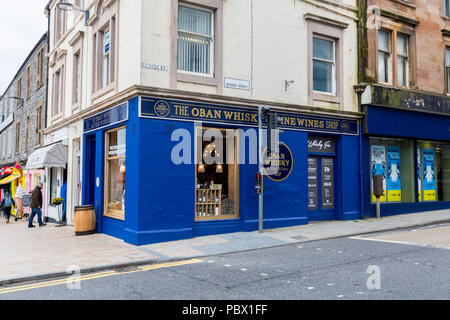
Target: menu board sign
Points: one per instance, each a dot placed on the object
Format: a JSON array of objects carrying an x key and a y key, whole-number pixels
[
  {"x": 313, "y": 197},
  {"x": 327, "y": 183}
]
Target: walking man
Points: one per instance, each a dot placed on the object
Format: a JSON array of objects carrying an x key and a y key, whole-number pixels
[
  {"x": 6, "y": 204},
  {"x": 36, "y": 206}
]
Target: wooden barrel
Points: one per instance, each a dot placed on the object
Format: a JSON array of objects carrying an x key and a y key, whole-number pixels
[{"x": 84, "y": 220}]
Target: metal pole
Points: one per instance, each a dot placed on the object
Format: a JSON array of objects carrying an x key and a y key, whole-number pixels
[
  {"x": 378, "y": 208},
  {"x": 260, "y": 155}
]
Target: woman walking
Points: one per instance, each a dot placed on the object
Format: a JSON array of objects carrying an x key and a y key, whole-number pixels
[{"x": 6, "y": 204}]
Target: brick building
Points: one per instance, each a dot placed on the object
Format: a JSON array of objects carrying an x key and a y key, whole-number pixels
[{"x": 405, "y": 62}]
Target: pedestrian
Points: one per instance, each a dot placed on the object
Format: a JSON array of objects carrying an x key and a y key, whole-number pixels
[
  {"x": 18, "y": 197},
  {"x": 63, "y": 195},
  {"x": 36, "y": 206},
  {"x": 6, "y": 204}
]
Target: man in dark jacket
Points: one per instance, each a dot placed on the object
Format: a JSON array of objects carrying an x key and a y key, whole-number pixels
[{"x": 36, "y": 206}]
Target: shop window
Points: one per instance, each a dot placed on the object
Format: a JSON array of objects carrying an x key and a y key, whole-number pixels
[
  {"x": 394, "y": 160},
  {"x": 433, "y": 171},
  {"x": 217, "y": 182},
  {"x": 195, "y": 40},
  {"x": 57, "y": 176},
  {"x": 115, "y": 173}
]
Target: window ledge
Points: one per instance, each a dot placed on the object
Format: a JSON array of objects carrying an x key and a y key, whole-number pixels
[
  {"x": 103, "y": 91},
  {"x": 318, "y": 96},
  {"x": 198, "y": 79}
]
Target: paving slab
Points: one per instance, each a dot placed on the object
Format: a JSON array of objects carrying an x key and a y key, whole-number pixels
[{"x": 30, "y": 254}]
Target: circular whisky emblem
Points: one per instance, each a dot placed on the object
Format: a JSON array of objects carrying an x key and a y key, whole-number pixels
[
  {"x": 345, "y": 126},
  {"x": 162, "y": 109}
]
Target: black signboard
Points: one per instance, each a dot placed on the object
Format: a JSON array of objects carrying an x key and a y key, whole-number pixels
[
  {"x": 318, "y": 144},
  {"x": 26, "y": 200},
  {"x": 327, "y": 183},
  {"x": 313, "y": 197}
]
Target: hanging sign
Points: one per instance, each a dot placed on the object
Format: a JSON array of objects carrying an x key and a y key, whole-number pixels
[
  {"x": 281, "y": 161},
  {"x": 429, "y": 175},
  {"x": 159, "y": 108},
  {"x": 379, "y": 168},
  {"x": 394, "y": 186}
]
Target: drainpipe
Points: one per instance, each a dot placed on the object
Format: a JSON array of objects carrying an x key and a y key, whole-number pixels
[{"x": 359, "y": 89}]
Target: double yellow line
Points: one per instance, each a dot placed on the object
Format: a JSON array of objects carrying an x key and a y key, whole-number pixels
[{"x": 72, "y": 279}]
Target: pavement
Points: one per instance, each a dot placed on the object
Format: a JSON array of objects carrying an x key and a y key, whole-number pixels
[{"x": 47, "y": 252}]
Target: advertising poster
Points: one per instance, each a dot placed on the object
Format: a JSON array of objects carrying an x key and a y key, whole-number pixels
[
  {"x": 419, "y": 175},
  {"x": 394, "y": 185},
  {"x": 429, "y": 175},
  {"x": 379, "y": 167}
]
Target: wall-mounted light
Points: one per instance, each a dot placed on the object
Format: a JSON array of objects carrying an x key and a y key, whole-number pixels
[
  {"x": 287, "y": 84},
  {"x": 22, "y": 100},
  {"x": 219, "y": 168},
  {"x": 66, "y": 6},
  {"x": 201, "y": 168}
]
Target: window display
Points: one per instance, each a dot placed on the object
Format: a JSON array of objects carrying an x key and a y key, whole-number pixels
[
  {"x": 394, "y": 160},
  {"x": 216, "y": 195},
  {"x": 115, "y": 173},
  {"x": 433, "y": 171}
]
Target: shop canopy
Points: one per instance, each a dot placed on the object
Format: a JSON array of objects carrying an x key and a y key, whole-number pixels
[
  {"x": 15, "y": 175},
  {"x": 52, "y": 156}
]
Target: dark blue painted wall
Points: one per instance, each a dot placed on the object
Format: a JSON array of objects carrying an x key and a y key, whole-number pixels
[
  {"x": 390, "y": 122},
  {"x": 160, "y": 195}
]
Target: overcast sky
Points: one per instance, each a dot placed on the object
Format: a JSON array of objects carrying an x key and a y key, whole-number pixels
[{"x": 22, "y": 24}]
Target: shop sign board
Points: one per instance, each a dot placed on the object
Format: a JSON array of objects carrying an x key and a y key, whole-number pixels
[
  {"x": 283, "y": 161},
  {"x": 317, "y": 144},
  {"x": 107, "y": 118},
  {"x": 160, "y": 108}
]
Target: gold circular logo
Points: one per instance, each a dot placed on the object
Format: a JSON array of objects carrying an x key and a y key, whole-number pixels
[{"x": 162, "y": 109}]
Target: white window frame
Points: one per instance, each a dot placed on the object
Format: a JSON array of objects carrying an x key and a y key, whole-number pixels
[
  {"x": 333, "y": 75},
  {"x": 405, "y": 58},
  {"x": 211, "y": 38},
  {"x": 389, "y": 70}
]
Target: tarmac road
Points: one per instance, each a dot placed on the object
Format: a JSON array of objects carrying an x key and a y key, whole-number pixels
[{"x": 416, "y": 265}]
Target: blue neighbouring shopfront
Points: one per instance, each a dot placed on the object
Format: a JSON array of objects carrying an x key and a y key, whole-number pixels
[
  {"x": 410, "y": 146},
  {"x": 162, "y": 200}
]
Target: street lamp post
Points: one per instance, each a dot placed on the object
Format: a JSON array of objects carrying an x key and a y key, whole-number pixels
[{"x": 66, "y": 6}]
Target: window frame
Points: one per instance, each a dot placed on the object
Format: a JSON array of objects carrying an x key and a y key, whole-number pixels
[
  {"x": 211, "y": 38},
  {"x": 333, "y": 63},
  {"x": 216, "y": 80},
  {"x": 317, "y": 27},
  {"x": 17, "y": 137},
  {"x": 389, "y": 60},
  {"x": 28, "y": 92},
  {"x": 40, "y": 68},
  {"x": 406, "y": 60},
  {"x": 107, "y": 159}
]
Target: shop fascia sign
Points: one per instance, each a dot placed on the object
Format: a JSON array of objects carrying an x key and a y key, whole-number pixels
[
  {"x": 7, "y": 122},
  {"x": 168, "y": 109},
  {"x": 59, "y": 135}
]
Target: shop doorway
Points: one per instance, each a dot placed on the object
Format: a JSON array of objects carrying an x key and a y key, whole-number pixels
[
  {"x": 89, "y": 185},
  {"x": 322, "y": 178},
  {"x": 216, "y": 174}
]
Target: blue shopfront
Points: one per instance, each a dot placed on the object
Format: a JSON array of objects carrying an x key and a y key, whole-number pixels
[
  {"x": 410, "y": 148},
  {"x": 163, "y": 169}
]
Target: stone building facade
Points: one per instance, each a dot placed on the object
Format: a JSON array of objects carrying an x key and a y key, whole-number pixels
[
  {"x": 22, "y": 110},
  {"x": 404, "y": 68}
]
